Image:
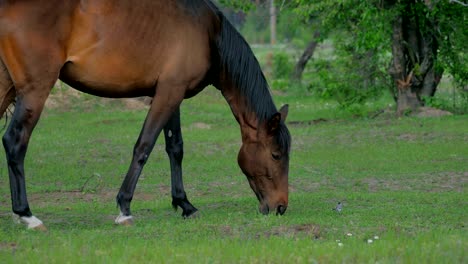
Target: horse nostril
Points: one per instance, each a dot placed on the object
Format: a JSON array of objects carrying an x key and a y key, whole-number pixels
[
  {"x": 281, "y": 209},
  {"x": 264, "y": 209}
]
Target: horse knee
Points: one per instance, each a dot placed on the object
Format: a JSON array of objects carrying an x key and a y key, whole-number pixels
[{"x": 176, "y": 150}]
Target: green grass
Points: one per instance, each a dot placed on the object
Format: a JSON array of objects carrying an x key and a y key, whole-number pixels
[{"x": 402, "y": 180}]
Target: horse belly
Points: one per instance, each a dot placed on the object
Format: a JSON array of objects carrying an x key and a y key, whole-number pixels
[{"x": 108, "y": 78}]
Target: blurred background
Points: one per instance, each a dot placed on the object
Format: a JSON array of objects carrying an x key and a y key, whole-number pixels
[{"x": 408, "y": 55}]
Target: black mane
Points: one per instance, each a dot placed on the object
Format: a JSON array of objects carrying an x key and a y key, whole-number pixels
[
  {"x": 244, "y": 70},
  {"x": 242, "y": 67},
  {"x": 239, "y": 62}
]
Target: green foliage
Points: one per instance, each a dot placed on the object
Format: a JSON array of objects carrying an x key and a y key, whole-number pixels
[
  {"x": 370, "y": 25},
  {"x": 255, "y": 28},
  {"x": 282, "y": 65},
  {"x": 244, "y": 5},
  {"x": 293, "y": 30},
  {"x": 453, "y": 100},
  {"x": 348, "y": 77},
  {"x": 451, "y": 34},
  {"x": 281, "y": 70},
  {"x": 360, "y": 32}
]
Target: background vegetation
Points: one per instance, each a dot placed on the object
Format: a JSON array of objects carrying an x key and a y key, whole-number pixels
[{"x": 353, "y": 52}]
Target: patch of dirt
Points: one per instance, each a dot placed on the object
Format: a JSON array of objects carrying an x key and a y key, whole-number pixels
[
  {"x": 309, "y": 122},
  {"x": 41, "y": 199},
  {"x": 226, "y": 230},
  {"x": 431, "y": 112},
  {"x": 7, "y": 246},
  {"x": 103, "y": 195},
  {"x": 200, "y": 125},
  {"x": 447, "y": 181},
  {"x": 139, "y": 103},
  {"x": 309, "y": 230}
]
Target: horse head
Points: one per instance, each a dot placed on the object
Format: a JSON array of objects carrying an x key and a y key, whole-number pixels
[{"x": 265, "y": 161}]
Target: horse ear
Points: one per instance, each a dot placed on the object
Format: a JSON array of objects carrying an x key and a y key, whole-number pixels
[
  {"x": 284, "y": 112},
  {"x": 274, "y": 123}
]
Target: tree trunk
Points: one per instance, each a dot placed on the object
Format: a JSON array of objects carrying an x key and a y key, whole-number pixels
[
  {"x": 414, "y": 51},
  {"x": 406, "y": 98},
  {"x": 305, "y": 57},
  {"x": 272, "y": 22}
]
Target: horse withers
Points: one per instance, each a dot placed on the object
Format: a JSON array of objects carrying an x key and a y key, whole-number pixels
[{"x": 165, "y": 49}]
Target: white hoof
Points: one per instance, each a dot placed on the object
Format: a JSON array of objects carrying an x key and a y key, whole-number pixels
[
  {"x": 124, "y": 219},
  {"x": 31, "y": 222}
]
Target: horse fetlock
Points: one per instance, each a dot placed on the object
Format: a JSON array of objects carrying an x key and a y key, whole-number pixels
[
  {"x": 188, "y": 210},
  {"x": 190, "y": 213},
  {"x": 31, "y": 222},
  {"x": 179, "y": 200},
  {"x": 124, "y": 199}
]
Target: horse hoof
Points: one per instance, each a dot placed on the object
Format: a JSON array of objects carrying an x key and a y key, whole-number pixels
[
  {"x": 31, "y": 222},
  {"x": 41, "y": 228},
  {"x": 193, "y": 215},
  {"x": 128, "y": 222},
  {"x": 124, "y": 220}
]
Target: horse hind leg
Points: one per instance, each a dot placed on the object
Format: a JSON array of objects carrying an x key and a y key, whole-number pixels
[
  {"x": 20, "y": 204},
  {"x": 175, "y": 151},
  {"x": 33, "y": 77},
  {"x": 15, "y": 141}
]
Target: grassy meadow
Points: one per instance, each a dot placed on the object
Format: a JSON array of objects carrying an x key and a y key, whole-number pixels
[{"x": 402, "y": 183}]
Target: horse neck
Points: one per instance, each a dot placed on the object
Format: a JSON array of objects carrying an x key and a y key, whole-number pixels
[{"x": 247, "y": 119}]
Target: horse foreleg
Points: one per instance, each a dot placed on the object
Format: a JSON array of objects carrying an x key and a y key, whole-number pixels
[
  {"x": 175, "y": 151},
  {"x": 162, "y": 107}
]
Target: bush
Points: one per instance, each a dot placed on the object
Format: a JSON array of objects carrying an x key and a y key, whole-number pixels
[
  {"x": 347, "y": 77},
  {"x": 282, "y": 65}
]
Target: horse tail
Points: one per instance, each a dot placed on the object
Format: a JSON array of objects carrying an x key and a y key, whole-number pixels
[{"x": 7, "y": 91}]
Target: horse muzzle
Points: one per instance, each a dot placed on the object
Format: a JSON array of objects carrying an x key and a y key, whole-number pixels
[{"x": 280, "y": 208}]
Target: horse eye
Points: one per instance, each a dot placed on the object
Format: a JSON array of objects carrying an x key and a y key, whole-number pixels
[{"x": 276, "y": 156}]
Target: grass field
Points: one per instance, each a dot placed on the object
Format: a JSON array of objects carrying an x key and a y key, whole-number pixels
[{"x": 402, "y": 183}]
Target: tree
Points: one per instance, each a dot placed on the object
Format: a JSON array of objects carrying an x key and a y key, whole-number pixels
[
  {"x": 272, "y": 22},
  {"x": 305, "y": 57},
  {"x": 413, "y": 41},
  {"x": 424, "y": 37},
  {"x": 415, "y": 49}
]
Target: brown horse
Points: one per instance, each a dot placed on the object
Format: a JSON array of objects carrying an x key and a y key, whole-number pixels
[{"x": 165, "y": 49}]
